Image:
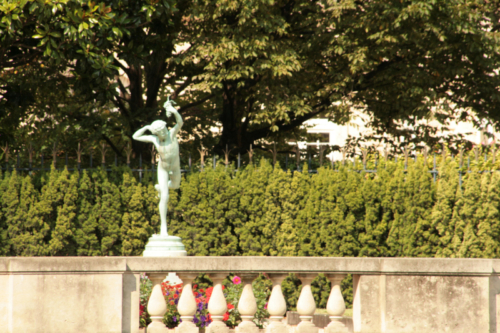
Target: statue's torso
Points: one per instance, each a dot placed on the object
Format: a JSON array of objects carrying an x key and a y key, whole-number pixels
[{"x": 168, "y": 150}]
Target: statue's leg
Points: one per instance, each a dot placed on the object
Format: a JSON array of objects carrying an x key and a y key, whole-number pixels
[
  {"x": 175, "y": 179},
  {"x": 162, "y": 189}
]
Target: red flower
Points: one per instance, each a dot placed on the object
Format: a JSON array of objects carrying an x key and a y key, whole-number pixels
[
  {"x": 197, "y": 300},
  {"x": 141, "y": 310},
  {"x": 172, "y": 303},
  {"x": 230, "y": 306},
  {"x": 195, "y": 294},
  {"x": 226, "y": 316},
  {"x": 223, "y": 287},
  {"x": 195, "y": 286},
  {"x": 176, "y": 296},
  {"x": 209, "y": 291},
  {"x": 202, "y": 290}
]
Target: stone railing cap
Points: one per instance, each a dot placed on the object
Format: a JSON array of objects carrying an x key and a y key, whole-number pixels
[{"x": 390, "y": 266}]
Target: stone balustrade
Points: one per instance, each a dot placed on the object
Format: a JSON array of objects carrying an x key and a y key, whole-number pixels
[
  {"x": 247, "y": 305},
  {"x": 101, "y": 294}
]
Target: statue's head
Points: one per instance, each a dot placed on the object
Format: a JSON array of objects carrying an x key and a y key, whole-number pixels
[{"x": 159, "y": 127}]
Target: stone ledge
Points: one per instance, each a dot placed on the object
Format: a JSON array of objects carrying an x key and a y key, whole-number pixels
[
  {"x": 387, "y": 266},
  {"x": 80, "y": 265}
]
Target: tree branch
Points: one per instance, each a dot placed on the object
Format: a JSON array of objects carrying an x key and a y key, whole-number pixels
[
  {"x": 119, "y": 104},
  {"x": 181, "y": 88},
  {"x": 283, "y": 127},
  {"x": 201, "y": 101},
  {"x": 123, "y": 89},
  {"x": 119, "y": 64},
  {"x": 111, "y": 144}
]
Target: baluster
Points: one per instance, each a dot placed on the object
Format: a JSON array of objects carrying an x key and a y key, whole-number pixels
[
  {"x": 217, "y": 305},
  {"x": 157, "y": 305},
  {"x": 276, "y": 305},
  {"x": 336, "y": 305},
  {"x": 187, "y": 305},
  {"x": 306, "y": 305},
  {"x": 247, "y": 306}
]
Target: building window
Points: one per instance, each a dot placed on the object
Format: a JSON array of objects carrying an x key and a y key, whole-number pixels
[{"x": 324, "y": 137}]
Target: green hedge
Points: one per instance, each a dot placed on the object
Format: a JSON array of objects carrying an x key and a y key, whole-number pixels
[{"x": 260, "y": 210}]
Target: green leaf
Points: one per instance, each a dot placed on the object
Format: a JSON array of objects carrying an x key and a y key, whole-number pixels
[{"x": 33, "y": 6}]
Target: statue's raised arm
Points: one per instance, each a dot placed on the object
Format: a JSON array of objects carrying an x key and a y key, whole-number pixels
[
  {"x": 169, "y": 107},
  {"x": 140, "y": 135}
]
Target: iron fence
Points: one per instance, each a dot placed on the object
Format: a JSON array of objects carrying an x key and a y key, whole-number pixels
[{"x": 140, "y": 167}]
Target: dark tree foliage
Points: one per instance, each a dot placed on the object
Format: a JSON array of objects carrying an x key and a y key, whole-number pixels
[{"x": 256, "y": 69}]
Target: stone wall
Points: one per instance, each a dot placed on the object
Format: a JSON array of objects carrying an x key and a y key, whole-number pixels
[{"x": 101, "y": 294}]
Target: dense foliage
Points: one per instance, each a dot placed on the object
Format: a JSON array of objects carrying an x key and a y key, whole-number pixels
[
  {"x": 261, "y": 210},
  {"x": 73, "y": 70}
]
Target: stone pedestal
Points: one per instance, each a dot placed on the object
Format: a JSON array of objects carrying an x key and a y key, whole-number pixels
[{"x": 164, "y": 246}]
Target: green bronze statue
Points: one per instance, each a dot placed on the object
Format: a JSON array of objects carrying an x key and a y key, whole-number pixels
[{"x": 169, "y": 170}]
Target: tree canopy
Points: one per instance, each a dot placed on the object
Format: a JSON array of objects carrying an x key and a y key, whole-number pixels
[{"x": 74, "y": 70}]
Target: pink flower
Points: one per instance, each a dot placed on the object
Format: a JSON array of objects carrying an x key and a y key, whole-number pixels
[{"x": 236, "y": 279}]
